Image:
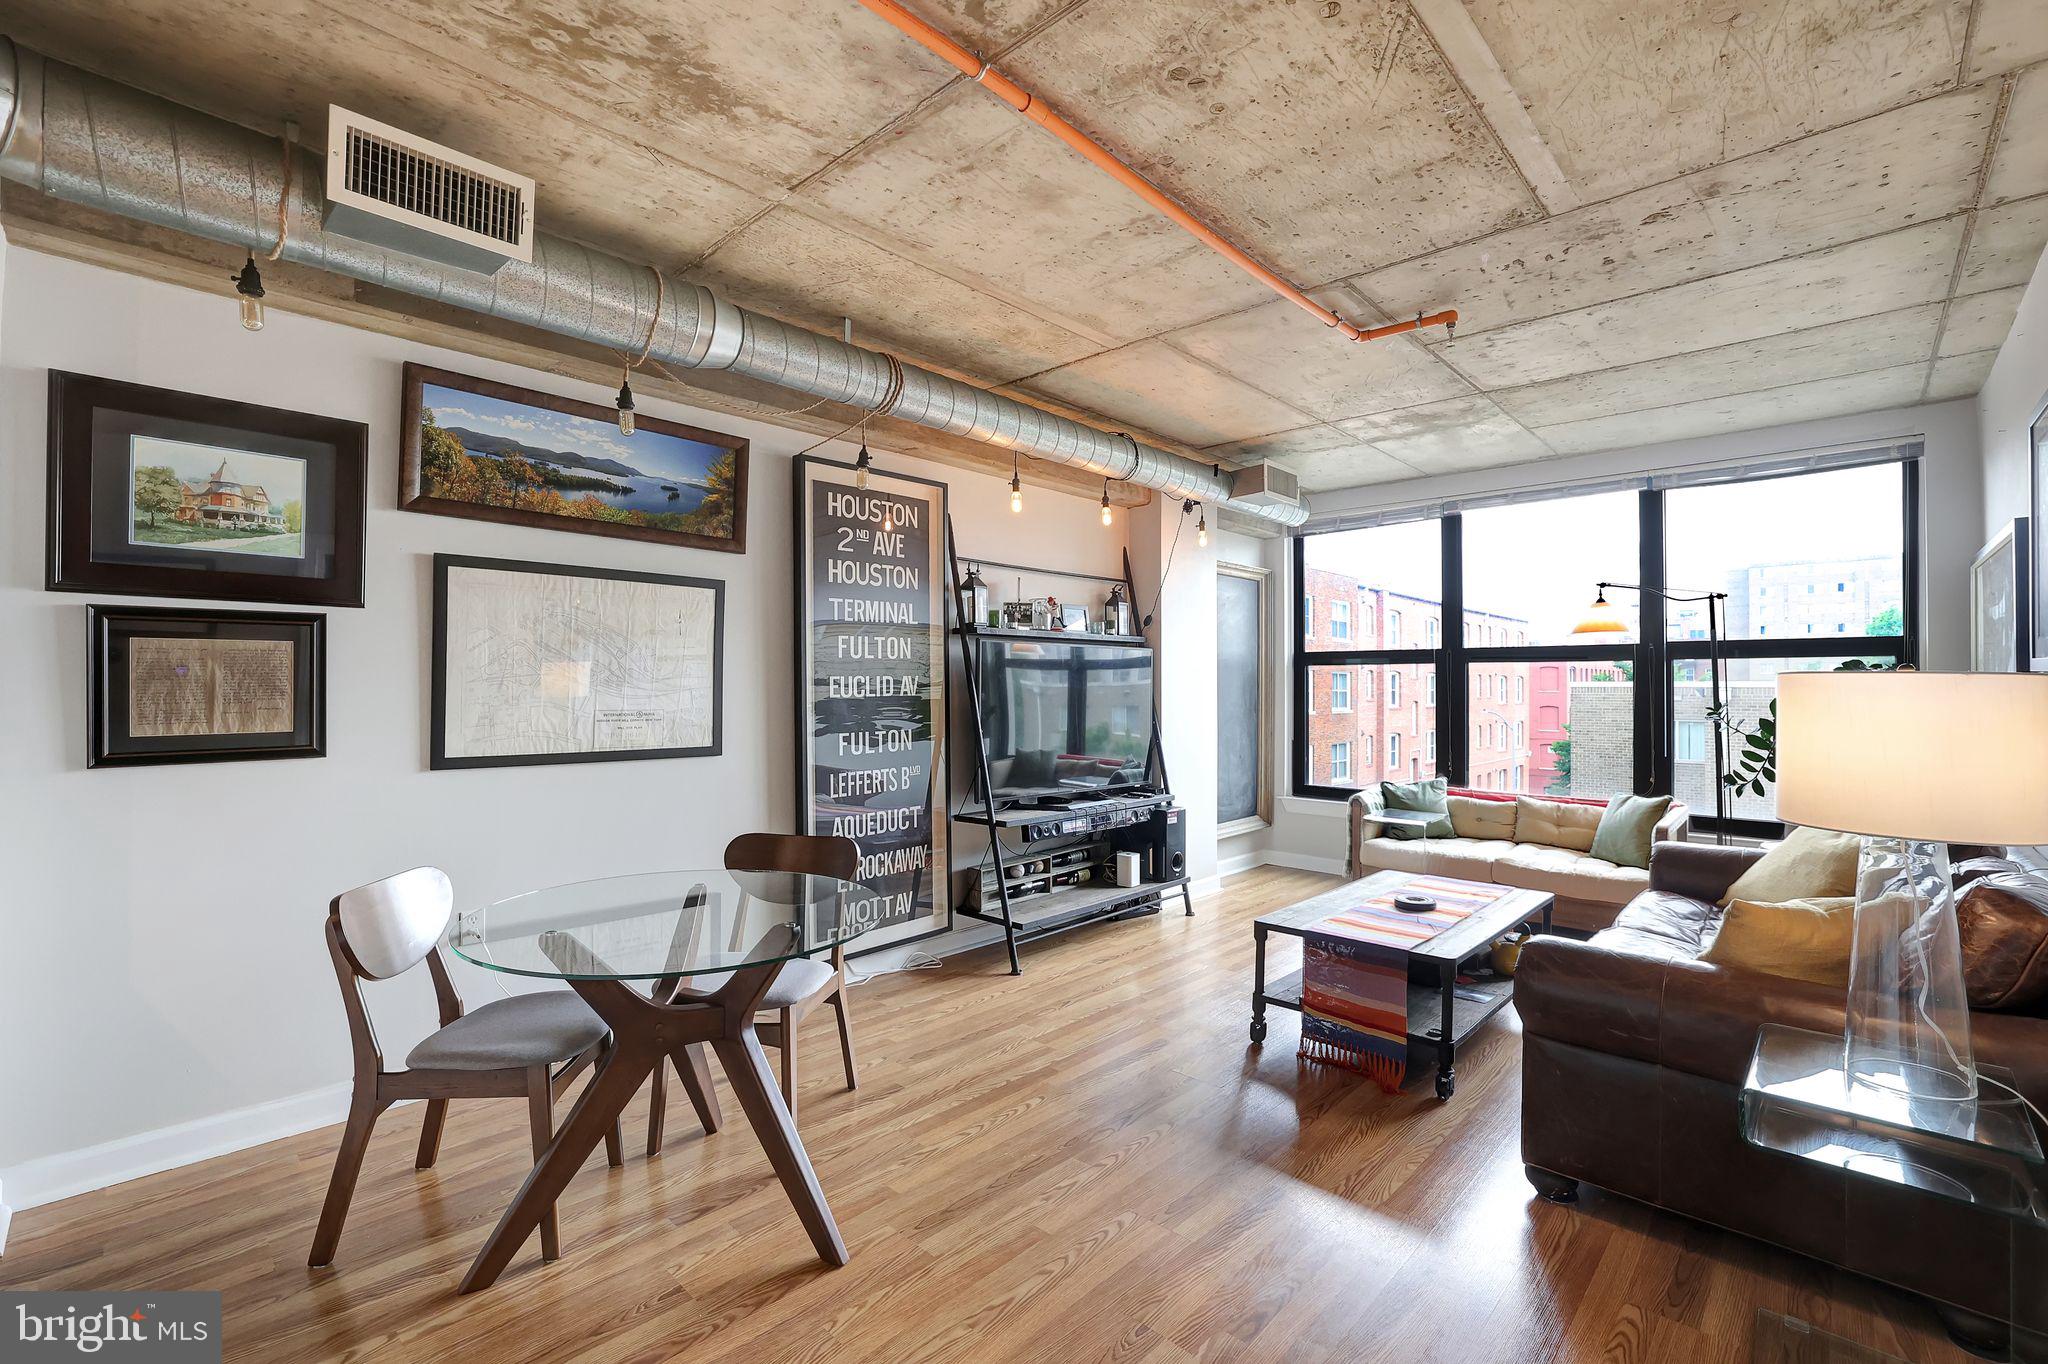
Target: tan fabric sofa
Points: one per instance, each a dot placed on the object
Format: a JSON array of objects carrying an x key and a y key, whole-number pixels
[{"x": 1590, "y": 891}]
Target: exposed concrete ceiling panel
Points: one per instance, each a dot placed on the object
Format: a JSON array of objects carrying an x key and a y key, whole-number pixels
[
  {"x": 1959, "y": 376},
  {"x": 1885, "y": 172},
  {"x": 969, "y": 184},
  {"x": 2004, "y": 245},
  {"x": 250, "y": 62},
  {"x": 1322, "y": 457},
  {"x": 1162, "y": 391},
  {"x": 2008, "y": 34},
  {"x": 1883, "y": 274},
  {"x": 2019, "y": 165},
  {"x": 1823, "y": 352},
  {"x": 1896, "y": 386},
  {"x": 1980, "y": 321},
  {"x": 772, "y": 88},
  {"x": 1440, "y": 438},
  {"x": 1331, "y": 135},
  {"x": 1743, "y": 213},
  {"x": 814, "y": 274},
  {"x": 1691, "y": 84},
  {"x": 1307, "y": 367}
]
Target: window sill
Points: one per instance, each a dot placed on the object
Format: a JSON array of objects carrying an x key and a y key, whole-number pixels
[{"x": 1314, "y": 805}]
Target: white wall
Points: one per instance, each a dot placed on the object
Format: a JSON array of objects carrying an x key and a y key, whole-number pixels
[
  {"x": 1311, "y": 833},
  {"x": 2006, "y": 405},
  {"x": 139, "y": 986}
]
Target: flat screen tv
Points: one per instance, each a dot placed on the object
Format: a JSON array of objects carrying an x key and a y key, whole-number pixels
[{"x": 1065, "y": 719}]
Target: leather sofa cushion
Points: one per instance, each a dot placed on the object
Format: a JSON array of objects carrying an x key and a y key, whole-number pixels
[
  {"x": 1559, "y": 824},
  {"x": 1562, "y": 872},
  {"x": 2004, "y": 928},
  {"x": 1472, "y": 817},
  {"x": 1664, "y": 925}
]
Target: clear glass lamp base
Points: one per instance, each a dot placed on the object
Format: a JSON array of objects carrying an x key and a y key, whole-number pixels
[{"x": 1908, "y": 1030}]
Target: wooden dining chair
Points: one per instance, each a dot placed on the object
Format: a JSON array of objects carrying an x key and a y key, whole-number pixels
[
  {"x": 526, "y": 1046},
  {"x": 799, "y": 987}
]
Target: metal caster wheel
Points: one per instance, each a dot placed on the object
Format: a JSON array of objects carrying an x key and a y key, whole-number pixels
[
  {"x": 1258, "y": 1030},
  {"x": 1444, "y": 1086}
]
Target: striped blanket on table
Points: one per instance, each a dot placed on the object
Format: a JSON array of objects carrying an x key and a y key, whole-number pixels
[{"x": 1354, "y": 975}]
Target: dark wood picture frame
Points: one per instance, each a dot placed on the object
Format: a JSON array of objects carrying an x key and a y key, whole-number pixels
[
  {"x": 939, "y": 873},
  {"x": 334, "y": 450},
  {"x": 439, "y": 758},
  {"x": 412, "y": 495},
  {"x": 2034, "y": 629},
  {"x": 109, "y": 630}
]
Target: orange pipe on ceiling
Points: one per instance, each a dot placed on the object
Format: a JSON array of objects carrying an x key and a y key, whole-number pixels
[{"x": 1025, "y": 103}]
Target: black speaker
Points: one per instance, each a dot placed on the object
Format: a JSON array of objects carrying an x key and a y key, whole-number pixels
[{"x": 1167, "y": 858}]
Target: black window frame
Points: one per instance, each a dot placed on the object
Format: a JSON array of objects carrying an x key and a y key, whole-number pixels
[{"x": 1651, "y": 656}]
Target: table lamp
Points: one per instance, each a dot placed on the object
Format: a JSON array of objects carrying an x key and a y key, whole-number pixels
[{"x": 1912, "y": 761}]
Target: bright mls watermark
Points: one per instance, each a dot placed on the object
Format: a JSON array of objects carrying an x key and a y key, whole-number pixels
[{"x": 170, "y": 1328}]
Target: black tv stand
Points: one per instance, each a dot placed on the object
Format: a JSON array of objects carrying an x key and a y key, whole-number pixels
[{"x": 1053, "y": 872}]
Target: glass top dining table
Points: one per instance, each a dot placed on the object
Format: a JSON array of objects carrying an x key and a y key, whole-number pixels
[
  {"x": 674, "y": 962},
  {"x": 665, "y": 924}
]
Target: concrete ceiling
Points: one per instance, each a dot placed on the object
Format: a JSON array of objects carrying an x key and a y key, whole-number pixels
[{"x": 1658, "y": 218}]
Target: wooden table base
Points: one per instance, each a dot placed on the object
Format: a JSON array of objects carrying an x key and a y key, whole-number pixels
[{"x": 645, "y": 1035}]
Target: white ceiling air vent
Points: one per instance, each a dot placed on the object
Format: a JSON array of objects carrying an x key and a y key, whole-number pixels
[
  {"x": 392, "y": 189},
  {"x": 1265, "y": 485}
]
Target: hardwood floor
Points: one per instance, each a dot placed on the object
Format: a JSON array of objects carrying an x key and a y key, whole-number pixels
[{"x": 1088, "y": 1162}]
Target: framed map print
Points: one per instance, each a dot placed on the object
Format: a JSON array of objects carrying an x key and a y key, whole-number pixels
[
  {"x": 871, "y": 688},
  {"x": 157, "y": 493},
  {"x": 550, "y": 663}
]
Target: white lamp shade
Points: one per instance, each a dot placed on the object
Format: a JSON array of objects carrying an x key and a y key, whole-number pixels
[{"x": 1946, "y": 757}]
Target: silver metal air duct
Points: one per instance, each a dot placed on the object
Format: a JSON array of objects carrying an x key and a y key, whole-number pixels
[{"x": 95, "y": 142}]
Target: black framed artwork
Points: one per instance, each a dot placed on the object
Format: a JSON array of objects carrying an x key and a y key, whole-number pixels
[
  {"x": 2000, "y": 584},
  {"x": 2034, "y": 641},
  {"x": 172, "y": 685},
  {"x": 500, "y": 452},
  {"x": 871, "y": 688},
  {"x": 552, "y": 663},
  {"x": 158, "y": 493}
]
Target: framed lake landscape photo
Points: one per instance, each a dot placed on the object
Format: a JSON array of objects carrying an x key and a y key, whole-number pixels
[
  {"x": 498, "y": 452},
  {"x": 158, "y": 493},
  {"x": 171, "y": 685},
  {"x": 550, "y": 663}
]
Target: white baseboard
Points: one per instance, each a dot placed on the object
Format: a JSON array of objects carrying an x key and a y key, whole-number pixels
[
  {"x": 1333, "y": 866},
  {"x": 50, "y": 1178},
  {"x": 1231, "y": 866}
]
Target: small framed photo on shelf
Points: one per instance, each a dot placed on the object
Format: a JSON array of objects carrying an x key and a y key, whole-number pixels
[
  {"x": 179, "y": 686},
  {"x": 1074, "y": 616},
  {"x": 158, "y": 493}
]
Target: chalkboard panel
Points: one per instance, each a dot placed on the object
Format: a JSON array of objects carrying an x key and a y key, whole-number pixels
[
  {"x": 871, "y": 687},
  {"x": 1240, "y": 709}
]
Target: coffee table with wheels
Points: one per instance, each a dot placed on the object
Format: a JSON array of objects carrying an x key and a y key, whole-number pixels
[{"x": 1442, "y": 1015}]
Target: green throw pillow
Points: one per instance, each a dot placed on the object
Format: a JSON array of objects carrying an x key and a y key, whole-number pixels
[
  {"x": 1430, "y": 797},
  {"x": 1626, "y": 828}
]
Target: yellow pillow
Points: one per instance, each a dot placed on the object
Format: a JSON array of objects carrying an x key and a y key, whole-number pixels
[
  {"x": 1810, "y": 863},
  {"x": 1803, "y": 939},
  {"x": 1475, "y": 818}
]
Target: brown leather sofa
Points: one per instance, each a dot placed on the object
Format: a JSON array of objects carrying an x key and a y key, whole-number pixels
[{"x": 1633, "y": 1060}]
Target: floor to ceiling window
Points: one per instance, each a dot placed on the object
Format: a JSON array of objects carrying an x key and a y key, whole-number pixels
[{"x": 1816, "y": 568}]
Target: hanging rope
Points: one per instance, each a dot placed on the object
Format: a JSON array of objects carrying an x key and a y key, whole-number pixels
[
  {"x": 890, "y": 394},
  {"x": 284, "y": 198},
  {"x": 647, "y": 346}
]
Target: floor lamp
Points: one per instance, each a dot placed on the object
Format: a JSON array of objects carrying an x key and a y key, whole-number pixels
[
  {"x": 1912, "y": 762},
  {"x": 1602, "y": 619}
]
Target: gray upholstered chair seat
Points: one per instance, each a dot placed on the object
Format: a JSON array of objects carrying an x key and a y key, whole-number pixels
[
  {"x": 794, "y": 982},
  {"x": 525, "y": 1030}
]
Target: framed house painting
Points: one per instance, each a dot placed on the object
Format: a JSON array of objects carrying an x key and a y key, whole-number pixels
[
  {"x": 170, "y": 685},
  {"x": 158, "y": 493},
  {"x": 549, "y": 663},
  {"x": 2034, "y": 641},
  {"x": 871, "y": 688},
  {"x": 2000, "y": 586},
  {"x": 497, "y": 452}
]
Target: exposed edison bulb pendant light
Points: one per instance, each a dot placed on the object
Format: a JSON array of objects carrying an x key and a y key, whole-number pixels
[
  {"x": 249, "y": 284},
  {"x": 1202, "y": 528},
  {"x": 1016, "y": 486},
  {"x": 861, "y": 464},
  {"x": 626, "y": 407},
  {"x": 1107, "y": 519}
]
